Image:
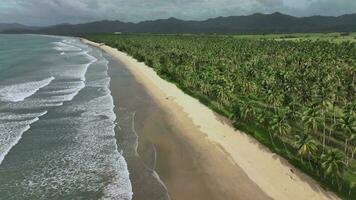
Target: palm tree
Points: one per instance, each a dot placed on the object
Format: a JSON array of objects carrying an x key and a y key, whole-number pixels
[
  {"x": 336, "y": 94},
  {"x": 311, "y": 119},
  {"x": 353, "y": 151},
  {"x": 347, "y": 125},
  {"x": 307, "y": 147},
  {"x": 351, "y": 186},
  {"x": 333, "y": 165},
  {"x": 273, "y": 99},
  {"x": 258, "y": 79},
  {"x": 247, "y": 110},
  {"x": 323, "y": 102},
  {"x": 280, "y": 125}
]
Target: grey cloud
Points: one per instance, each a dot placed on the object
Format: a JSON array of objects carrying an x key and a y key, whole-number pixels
[
  {"x": 43, "y": 12},
  {"x": 332, "y": 7}
]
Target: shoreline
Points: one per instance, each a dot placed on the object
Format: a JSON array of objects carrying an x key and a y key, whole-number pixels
[
  {"x": 131, "y": 112},
  {"x": 153, "y": 146},
  {"x": 235, "y": 165}
]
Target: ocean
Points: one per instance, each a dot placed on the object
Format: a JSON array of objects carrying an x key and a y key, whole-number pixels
[{"x": 57, "y": 124}]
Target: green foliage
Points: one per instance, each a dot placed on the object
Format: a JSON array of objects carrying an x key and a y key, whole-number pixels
[{"x": 297, "y": 98}]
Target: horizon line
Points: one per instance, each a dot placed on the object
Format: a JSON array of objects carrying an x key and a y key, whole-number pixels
[{"x": 187, "y": 20}]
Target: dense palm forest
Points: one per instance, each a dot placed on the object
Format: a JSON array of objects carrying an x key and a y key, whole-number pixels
[{"x": 297, "y": 98}]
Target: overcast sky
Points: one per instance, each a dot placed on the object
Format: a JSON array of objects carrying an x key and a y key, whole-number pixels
[{"x": 48, "y": 12}]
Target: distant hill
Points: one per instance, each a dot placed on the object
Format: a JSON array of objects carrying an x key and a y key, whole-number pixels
[
  {"x": 15, "y": 26},
  {"x": 251, "y": 24},
  {"x": 7, "y": 26}
]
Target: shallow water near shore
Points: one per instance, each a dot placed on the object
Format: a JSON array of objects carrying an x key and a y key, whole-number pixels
[
  {"x": 135, "y": 106},
  {"x": 57, "y": 124}
]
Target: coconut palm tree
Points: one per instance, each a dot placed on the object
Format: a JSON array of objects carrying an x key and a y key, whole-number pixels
[
  {"x": 247, "y": 110},
  {"x": 280, "y": 125},
  {"x": 307, "y": 147},
  {"x": 311, "y": 119},
  {"x": 333, "y": 165},
  {"x": 273, "y": 98},
  {"x": 323, "y": 102},
  {"x": 353, "y": 151},
  {"x": 258, "y": 79},
  {"x": 347, "y": 125},
  {"x": 351, "y": 186}
]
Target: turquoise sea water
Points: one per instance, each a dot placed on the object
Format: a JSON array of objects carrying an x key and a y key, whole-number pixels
[{"x": 57, "y": 138}]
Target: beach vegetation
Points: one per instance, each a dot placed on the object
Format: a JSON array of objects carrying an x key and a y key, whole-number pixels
[{"x": 297, "y": 97}]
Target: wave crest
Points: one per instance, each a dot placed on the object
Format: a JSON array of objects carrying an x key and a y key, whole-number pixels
[{"x": 21, "y": 91}]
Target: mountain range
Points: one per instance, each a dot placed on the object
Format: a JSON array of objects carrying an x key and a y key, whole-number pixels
[
  {"x": 15, "y": 26},
  {"x": 251, "y": 24}
]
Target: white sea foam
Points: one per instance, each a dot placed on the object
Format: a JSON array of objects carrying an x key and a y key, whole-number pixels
[
  {"x": 93, "y": 60},
  {"x": 75, "y": 71},
  {"x": 120, "y": 187},
  {"x": 61, "y": 88},
  {"x": 33, "y": 104},
  {"x": 61, "y": 46},
  {"x": 12, "y": 116},
  {"x": 64, "y": 97},
  {"x": 21, "y": 91},
  {"x": 88, "y": 150},
  {"x": 11, "y": 132}
]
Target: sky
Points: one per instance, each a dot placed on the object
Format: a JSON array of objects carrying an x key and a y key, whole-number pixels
[{"x": 50, "y": 12}]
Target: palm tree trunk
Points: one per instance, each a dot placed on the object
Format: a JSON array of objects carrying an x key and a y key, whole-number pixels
[
  {"x": 334, "y": 115},
  {"x": 271, "y": 137},
  {"x": 285, "y": 147},
  {"x": 340, "y": 185},
  {"x": 324, "y": 134},
  {"x": 310, "y": 165},
  {"x": 346, "y": 141},
  {"x": 346, "y": 157}
]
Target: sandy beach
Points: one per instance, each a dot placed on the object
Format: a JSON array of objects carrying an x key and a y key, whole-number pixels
[{"x": 204, "y": 157}]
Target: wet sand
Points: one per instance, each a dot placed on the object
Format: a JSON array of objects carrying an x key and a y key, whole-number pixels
[
  {"x": 158, "y": 147},
  {"x": 132, "y": 107},
  {"x": 184, "y": 167},
  {"x": 190, "y": 170},
  {"x": 200, "y": 156}
]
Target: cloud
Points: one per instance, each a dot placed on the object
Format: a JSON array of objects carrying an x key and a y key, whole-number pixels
[
  {"x": 44, "y": 12},
  {"x": 331, "y": 7}
]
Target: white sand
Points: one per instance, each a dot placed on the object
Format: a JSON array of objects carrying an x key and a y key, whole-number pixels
[{"x": 269, "y": 171}]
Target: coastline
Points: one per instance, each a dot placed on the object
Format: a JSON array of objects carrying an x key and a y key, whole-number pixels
[
  {"x": 132, "y": 106},
  {"x": 235, "y": 165},
  {"x": 150, "y": 144}
]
